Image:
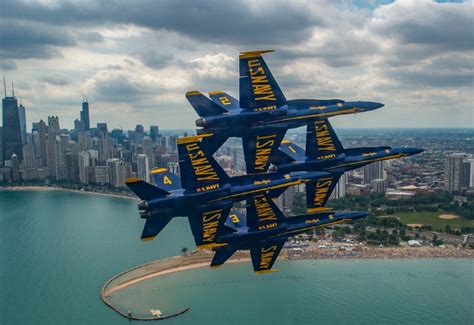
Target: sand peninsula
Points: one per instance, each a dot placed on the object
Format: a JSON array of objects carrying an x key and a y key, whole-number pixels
[{"x": 64, "y": 189}]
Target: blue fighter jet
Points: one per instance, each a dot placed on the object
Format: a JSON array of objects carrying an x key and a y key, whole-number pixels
[
  {"x": 263, "y": 114},
  {"x": 204, "y": 193},
  {"x": 264, "y": 230},
  {"x": 324, "y": 152}
]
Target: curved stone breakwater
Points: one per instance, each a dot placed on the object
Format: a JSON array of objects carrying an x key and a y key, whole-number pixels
[{"x": 155, "y": 269}]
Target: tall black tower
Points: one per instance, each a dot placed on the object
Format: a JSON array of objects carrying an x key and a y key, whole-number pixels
[
  {"x": 12, "y": 138},
  {"x": 85, "y": 115}
]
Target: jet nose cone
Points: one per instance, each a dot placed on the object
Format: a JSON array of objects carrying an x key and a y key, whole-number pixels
[
  {"x": 364, "y": 106},
  {"x": 371, "y": 105}
]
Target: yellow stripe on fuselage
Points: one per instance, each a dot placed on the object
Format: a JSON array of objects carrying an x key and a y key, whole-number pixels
[
  {"x": 311, "y": 227},
  {"x": 320, "y": 209},
  {"x": 352, "y": 110},
  {"x": 366, "y": 161},
  {"x": 259, "y": 190},
  {"x": 132, "y": 180}
]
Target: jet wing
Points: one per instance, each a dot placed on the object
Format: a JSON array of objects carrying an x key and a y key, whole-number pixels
[
  {"x": 225, "y": 100},
  {"x": 207, "y": 225},
  {"x": 321, "y": 140},
  {"x": 318, "y": 192},
  {"x": 258, "y": 89},
  {"x": 259, "y": 148},
  {"x": 154, "y": 225},
  {"x": 264, "y": 255}
]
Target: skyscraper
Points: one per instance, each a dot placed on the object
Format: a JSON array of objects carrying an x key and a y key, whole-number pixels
[
  {"x": 373, "y": 171},
  {"x": 453, "y": 167},
  {"x": 154, "y": 132},
  {"x": 104, "y": 152},
  {"x": 340, "y": 189},
  {"x": 40, "y": 144},
  {"x": 22, "y": 116},
  {"x": 143, "y": 168},
  {"x": 119, "y": 171},
  {"x": 468, "y": 172},
  {"x": 1, "y": 146},
  {"x": 85, "y": 115},
  {"x": 52, "y": 152},
  {"x": 139, "y": 133},
  {"x": 12, "y": 134}
]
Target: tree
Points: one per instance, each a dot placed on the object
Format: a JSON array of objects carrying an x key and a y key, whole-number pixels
[
  {"x": 184, "y": 250},
  {"x": 447, "y": 229}
]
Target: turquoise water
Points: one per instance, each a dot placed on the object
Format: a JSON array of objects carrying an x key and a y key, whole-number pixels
[{"x": 57, "y": 249}]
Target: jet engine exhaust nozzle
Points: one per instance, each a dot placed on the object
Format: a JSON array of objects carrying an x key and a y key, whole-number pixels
[
  {"x": 200, "y": 122},
  {"x": 143, "y": 205}
]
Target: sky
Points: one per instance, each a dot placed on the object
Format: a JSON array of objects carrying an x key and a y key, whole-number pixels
[{"x": 134, "y": 60}]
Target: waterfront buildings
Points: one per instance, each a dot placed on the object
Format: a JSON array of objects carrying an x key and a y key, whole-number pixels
[
  {"x": 143, "y": 167},
  {"x": 458, "y": 169},
  {"x": 373, "y": 171}
]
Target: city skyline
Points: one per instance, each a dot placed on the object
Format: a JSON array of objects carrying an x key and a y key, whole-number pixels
[{"x": 413, "y": 56}]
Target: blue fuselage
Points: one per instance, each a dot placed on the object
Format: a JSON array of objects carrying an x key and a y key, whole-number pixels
[
  {"x": 351, "y": 159},
  {"x": 294, "y": 114},
  {"x": 182, "y": 203},
  {"x": 246, "y": 238}
]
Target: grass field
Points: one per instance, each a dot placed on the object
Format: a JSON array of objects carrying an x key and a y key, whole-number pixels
[{"x": 432, "y": 219}]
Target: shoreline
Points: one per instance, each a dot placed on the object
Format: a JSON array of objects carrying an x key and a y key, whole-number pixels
[
  {"x": 202, "y": 259},
  {"x": 60, "y": 189}
]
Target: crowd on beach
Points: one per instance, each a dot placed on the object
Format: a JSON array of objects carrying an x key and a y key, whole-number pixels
[{"x": 382, "y": 253}]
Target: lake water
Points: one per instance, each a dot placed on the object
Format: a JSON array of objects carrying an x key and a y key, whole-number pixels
[{"x": 58, "y": 248}]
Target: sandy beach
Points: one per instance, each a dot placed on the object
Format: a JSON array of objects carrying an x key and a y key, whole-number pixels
[
  {"x": 62, "y": 189},
  {"x": 203, "y": 259}
]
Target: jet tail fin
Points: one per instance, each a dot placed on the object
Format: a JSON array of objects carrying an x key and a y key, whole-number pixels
[
  {"x": 265, "y": 255},
  {"x": 318, "y": 192},
  {"x": 199, "y": 170},
  {"x": 165, "y": 179},
  {"x": 225, "y": 100},
  {"x": 259, "y": 148},
  {"x": 204, "y": 106},
  {"x": 154, "y": 225},
  {"x": 222, "y": 255},
  {"x": 208, "y": 225},
  {"x": 258, "y": 88},
  {"x": 144, "y": 190},
  {"x": 263, "y": 213},
  {"x": 321, "y": 140}
]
